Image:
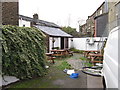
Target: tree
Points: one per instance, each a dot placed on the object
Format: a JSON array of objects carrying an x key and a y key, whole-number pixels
[{"x": 71, "y": 31}]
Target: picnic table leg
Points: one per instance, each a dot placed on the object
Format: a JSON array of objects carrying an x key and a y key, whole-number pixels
[
  {"x": 92, "y": 59},
  {"x": 52, "y": 58}
]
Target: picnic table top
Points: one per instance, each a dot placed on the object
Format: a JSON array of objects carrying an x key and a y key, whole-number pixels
[
  {"x": 60, "y": 50},
  {"x": 92, "y": 54},
  {"x": 48, "y": 54},
  {"x": 91, "y": 50}
]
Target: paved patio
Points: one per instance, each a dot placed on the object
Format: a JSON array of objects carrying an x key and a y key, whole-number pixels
[
  {"x": 56, "y": 78},
  {"x": 92, "y": 81}
]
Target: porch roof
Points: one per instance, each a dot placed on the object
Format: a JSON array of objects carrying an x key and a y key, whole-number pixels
[{"x": 51, "y": 31}]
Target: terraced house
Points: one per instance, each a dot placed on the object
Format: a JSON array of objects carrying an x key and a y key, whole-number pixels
[
  {"x": 106, "y": 17},
  {"x": 93, "y": 27}
]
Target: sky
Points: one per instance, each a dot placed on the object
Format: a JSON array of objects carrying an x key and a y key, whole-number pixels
[{"x": 61, "y": 12}]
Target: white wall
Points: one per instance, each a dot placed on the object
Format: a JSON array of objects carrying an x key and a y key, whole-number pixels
[
  {"x": 81, "y": 44},
  {"x": 56, "y": 43},
  {"x": 70, "y": 43},
  {"x": 23, "y": 22}
]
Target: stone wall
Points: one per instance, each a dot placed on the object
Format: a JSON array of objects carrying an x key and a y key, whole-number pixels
[{"x": 112, "y": 17}]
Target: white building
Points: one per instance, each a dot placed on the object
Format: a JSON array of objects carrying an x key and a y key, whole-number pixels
[{"x": 55, "y": 37}]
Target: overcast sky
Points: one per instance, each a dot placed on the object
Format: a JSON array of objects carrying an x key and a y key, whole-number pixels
[{"x": 61, "y": 12}]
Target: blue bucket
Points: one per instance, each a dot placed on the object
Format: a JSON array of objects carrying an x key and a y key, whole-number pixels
[{"x": 74, "y": 75}]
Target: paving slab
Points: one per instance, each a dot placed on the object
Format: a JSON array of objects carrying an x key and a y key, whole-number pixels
[
  {"x": 94, "y": 82},
  {"x": 8, "y": 80}
]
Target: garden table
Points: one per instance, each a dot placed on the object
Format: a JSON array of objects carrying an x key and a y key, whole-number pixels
[
  {"x": 60, "y": 52},
  {"x": 86, "y": 52},
  {"x": 93, "y": 57}
]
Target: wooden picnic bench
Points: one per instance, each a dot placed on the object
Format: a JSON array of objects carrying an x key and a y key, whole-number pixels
[
  {"x": 96, "y": 58},
  {"x": 86, "y": 52},
  {"x": 50, "y": 57},
  {"x": 61, "y": 52}
]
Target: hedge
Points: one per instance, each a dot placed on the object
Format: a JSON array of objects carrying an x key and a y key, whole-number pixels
[{"x": 23, "y": 52}]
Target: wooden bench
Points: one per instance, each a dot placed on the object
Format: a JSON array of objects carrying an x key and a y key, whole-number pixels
[
  {"x": 96, "y": 58},
  {"x": 60, "y": 53},
  {"x": 86, "y": 52},
  {"x": 97, "y": 61},
  {"x": 70, "y": 53},
  {"x": 50, "y": 57}
]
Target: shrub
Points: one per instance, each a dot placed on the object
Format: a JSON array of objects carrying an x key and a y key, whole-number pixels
[{"x": 23, "y": 52}]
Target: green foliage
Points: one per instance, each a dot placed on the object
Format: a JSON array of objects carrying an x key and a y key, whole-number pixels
[
  {"x": 71, "y": 31},
  {"x": 64, "y": 65},
  {"x": 87, "y": 64},
  {"x": 83, "y": 58},
  {"x": 23, "y": 52},
  {"x": 76, "y": 50},
  {"x": 56, "y": 48}
]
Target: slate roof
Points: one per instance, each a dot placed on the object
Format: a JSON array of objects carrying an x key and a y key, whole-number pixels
[
  {"x": 57, "y": 32},
  {"x": 47, "y": 27},
  {"x": 39, "y": 22}
]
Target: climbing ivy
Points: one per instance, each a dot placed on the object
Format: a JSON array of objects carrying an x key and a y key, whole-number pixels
[{"x": 23, "y": 52}]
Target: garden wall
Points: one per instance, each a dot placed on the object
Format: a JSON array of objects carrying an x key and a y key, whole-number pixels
[{"x": 81, "y": 43}]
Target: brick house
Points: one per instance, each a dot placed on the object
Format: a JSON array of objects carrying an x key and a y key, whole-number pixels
[
  {"x": 9, "y": 12},
  {"x": 83, "y": 30},
  {"x": 92, "y": 22}
]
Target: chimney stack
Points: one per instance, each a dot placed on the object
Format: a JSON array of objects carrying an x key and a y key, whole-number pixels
[{"x": 35, "y": 16}]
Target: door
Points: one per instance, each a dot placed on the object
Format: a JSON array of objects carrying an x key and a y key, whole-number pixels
[{"x": 62, "y": 42}]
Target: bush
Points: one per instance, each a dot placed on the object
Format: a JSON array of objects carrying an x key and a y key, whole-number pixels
[
  {"x": 23, "y": 52},
  {"x": 76, "y": 50}
]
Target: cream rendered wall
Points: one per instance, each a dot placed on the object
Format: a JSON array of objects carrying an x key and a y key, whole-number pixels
[{"x": 23, "y": 22}]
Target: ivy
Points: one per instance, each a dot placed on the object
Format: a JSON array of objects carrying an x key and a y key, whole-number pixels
[{"x": 23, "y": 52}]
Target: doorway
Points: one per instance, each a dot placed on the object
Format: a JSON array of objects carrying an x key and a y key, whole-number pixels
[{"x": 62, "y": 42}]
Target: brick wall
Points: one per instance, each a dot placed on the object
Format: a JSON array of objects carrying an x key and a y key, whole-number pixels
[
  {"x": 0, "y": 13},
  {"x": 10, "y": 13}
]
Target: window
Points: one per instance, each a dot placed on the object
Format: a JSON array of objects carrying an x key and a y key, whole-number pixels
[
  {"x": 101, "y": 12},
  {"x": 23, "y": 25}
]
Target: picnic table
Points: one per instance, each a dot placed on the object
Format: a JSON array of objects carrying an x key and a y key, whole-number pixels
[
  {"x": 50, "y": 57},
  {"x": 93, "y": 57},
  {"x": 86, "y": 52},
  {"x": 61, "y": 52}
]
